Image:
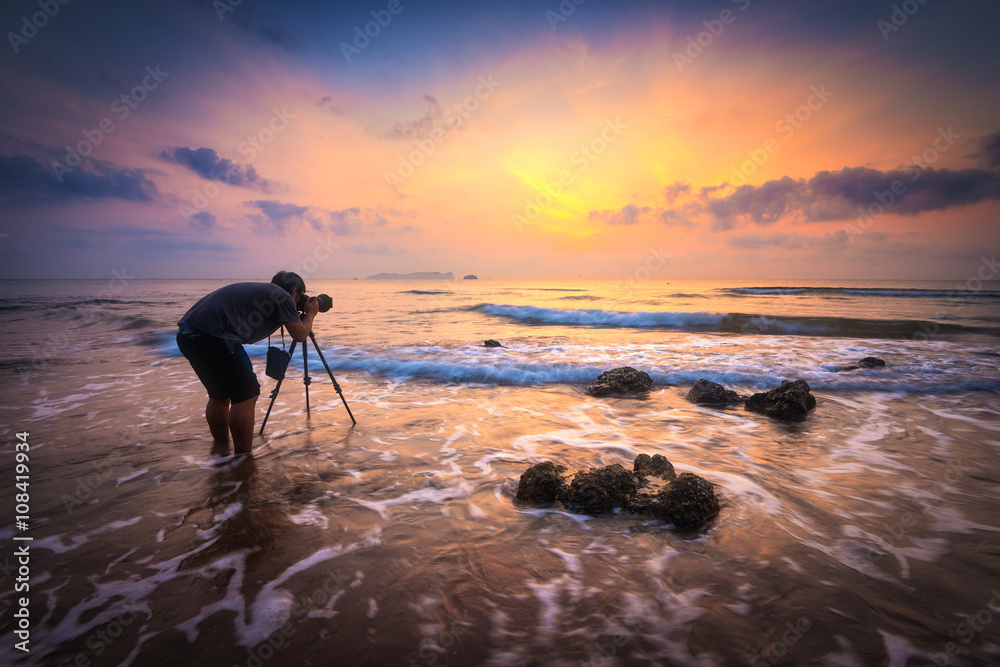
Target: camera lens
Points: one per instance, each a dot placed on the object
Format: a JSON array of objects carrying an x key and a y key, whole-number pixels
[{"x": 325, "y": 302}]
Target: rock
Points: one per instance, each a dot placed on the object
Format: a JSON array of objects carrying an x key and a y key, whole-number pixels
[
  {"x": 492, "y": 343},
  {"x": 601, "y": 488},
  {"x": 541, "y": 484},
  {"x": 706, "y": 391},
  {"x": 688, "y": 502},
  {"x": 658, "y": 466},
  {"x": 624, "y": 380},
  {"x": 471, "y": 276},
  {"x": 871, "y": 362},
  {"x": 791, "y": 400}
]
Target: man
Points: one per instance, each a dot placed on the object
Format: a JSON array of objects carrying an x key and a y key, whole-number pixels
[{"x": 212, "y": 334}]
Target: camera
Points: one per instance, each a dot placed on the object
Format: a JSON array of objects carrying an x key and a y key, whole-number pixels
[{"x": 325, "y": 302}]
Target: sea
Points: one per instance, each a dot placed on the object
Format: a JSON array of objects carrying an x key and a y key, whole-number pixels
[{"x": 866, "y": 534}]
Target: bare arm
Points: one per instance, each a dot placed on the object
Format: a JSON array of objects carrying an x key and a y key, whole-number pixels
[{"x": 299, "y": 331}]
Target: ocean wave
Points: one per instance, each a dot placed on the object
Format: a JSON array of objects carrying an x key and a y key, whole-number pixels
[
  {"x": 532, "y": 365},
  {"x": 913, "y": 367},
  {"x": 425, "y": 291},
  {"x": 739, "y": 323},
  {"x": 897, "y": 292}
]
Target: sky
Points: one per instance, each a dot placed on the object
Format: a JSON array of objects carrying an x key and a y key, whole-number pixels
[{"x": 729, "y": 139}]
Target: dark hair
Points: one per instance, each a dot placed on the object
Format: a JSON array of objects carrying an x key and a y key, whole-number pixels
[{"x": 289, "y": 281}]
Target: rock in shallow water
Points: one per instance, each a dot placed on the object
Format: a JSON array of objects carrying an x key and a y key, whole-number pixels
[
  {"x": 791, "y": 400},
  {"x": 706, "y": 391},
  {"x": 688, "y": 502},
  {"x": 624, "y": 380},
  {"x": 601, "y": 489},
  {"x": 541, "y": 484},
  {"x": 871, "y": 362},
  {"x": 491, "y": 343},
  {"x": 658, "y": 466}
]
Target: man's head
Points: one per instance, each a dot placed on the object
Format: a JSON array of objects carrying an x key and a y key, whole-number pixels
[{"x": 291, "y": 283}]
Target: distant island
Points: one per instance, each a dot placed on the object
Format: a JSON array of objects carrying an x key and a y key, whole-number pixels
[
  {"x": 471, "y": 276},
  {"x": 420, "y": 275}
]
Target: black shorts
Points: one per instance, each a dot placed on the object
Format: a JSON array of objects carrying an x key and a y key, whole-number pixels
[{"x": 222, "y": 366}]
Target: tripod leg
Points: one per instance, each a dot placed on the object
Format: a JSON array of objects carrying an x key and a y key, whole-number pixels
[
  {"x": 277, "y": 388},
  {"x": 306, "y": 380},
  {"x": 336, "y": 385}
]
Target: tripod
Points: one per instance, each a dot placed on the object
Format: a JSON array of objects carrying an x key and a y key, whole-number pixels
[{"x": 306, "y": 380}]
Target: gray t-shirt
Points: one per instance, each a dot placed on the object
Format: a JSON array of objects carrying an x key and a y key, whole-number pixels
[{"x": 244, "y": 312}]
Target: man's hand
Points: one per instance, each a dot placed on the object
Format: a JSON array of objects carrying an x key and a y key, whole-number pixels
[{"x": 300, "y": 330}]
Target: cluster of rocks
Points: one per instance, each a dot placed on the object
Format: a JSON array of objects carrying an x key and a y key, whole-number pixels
[
  {"x": 791, "y": 401},
  {"x": 652, "y": 488}
]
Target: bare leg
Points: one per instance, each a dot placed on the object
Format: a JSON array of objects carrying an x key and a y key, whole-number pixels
[
  {"x": 241, "y": 418},
  {"x": 217, "y": 414}
]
